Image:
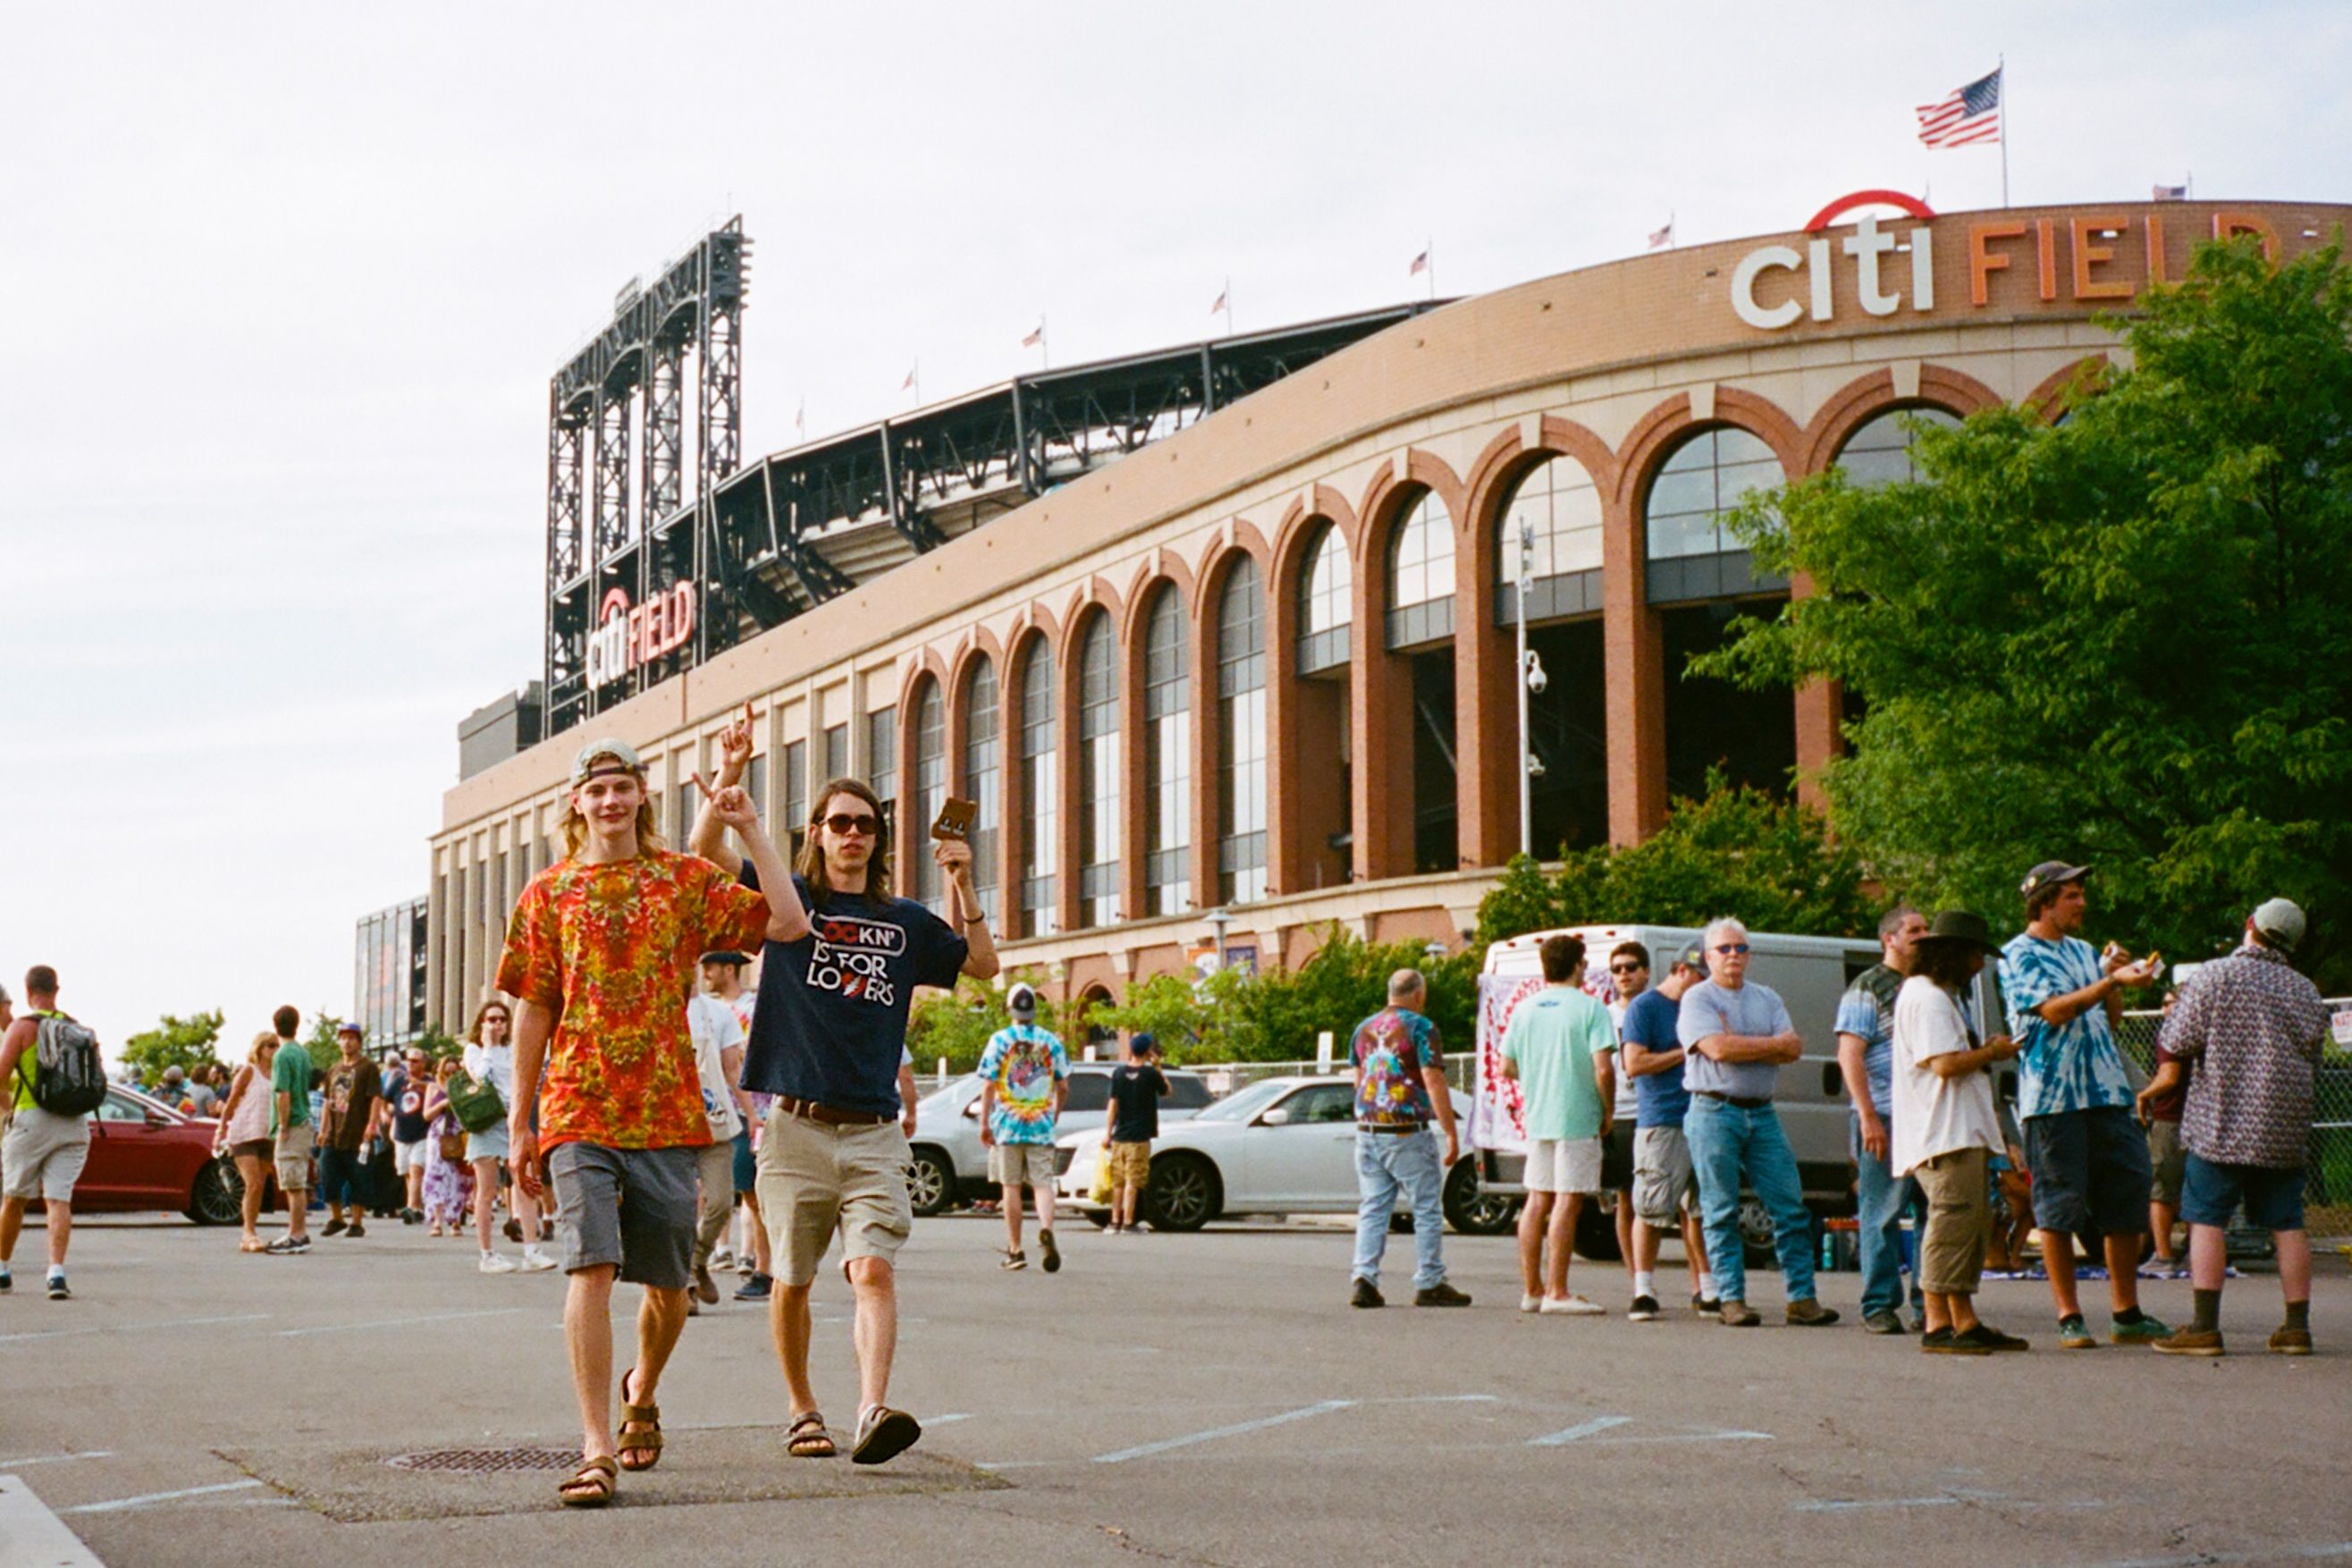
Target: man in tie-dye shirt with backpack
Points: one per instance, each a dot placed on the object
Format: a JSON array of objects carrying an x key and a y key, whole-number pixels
[{"x": 1400, "y": 1073}]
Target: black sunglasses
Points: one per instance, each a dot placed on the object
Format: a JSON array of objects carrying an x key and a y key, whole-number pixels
[{"x": 842, "y": 822}]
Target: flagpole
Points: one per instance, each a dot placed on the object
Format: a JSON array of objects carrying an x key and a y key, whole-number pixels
[
  {"x": 1044, "y": 349},
  {"x": 1429, "y": 250},
  {"x": 1228, "y": 297},
  {"x": 2006, "y": 121}
]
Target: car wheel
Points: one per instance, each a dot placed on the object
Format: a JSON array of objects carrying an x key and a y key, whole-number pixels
[
  {"x": 1755, "y": 1232},
  {"x": 218, "y": 1193},
  {"x": 1471, "y": 1209},
  {"x": 931, "y": 1183},
  {"x": 1184, "y": 1193}
]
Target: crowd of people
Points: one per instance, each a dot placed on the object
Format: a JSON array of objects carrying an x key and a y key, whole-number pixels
[
  {"x": 647, "y": 1126},
  {"x": 2230, "y": 1109}
]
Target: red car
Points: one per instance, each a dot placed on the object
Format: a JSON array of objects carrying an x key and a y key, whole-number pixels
[{"x": 145, "y": 1155}]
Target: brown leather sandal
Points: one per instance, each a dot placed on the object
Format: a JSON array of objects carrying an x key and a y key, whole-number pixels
[
  {"x": 806, "y": 1438},
  {"x": 641, "y": 1432},
  {"x": 591, "y": 1486}
]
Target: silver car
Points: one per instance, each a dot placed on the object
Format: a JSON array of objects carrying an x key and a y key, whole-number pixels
[{"x": 951, "y": 1164}]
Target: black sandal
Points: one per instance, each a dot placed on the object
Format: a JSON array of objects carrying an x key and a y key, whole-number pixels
[
  {"x": 806, "y": 1438},
  {"x": 591, "y": 1486},
  {"x": 884, "y": 1434}
]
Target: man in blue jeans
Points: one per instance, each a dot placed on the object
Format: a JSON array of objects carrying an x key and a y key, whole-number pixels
[
  {"x": 1737, "y": 1036},
  {"x": 1399, "y": 1070},
  {"x": 1865, "y": 1047}
]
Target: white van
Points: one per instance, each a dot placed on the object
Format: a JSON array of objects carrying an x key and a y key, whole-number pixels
[{"x": 1810, "y": 972}]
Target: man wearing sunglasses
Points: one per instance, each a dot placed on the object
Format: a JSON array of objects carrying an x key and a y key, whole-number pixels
[
  {"x": 828, "y": 1041},
  {"x": 1737, "y": 1036}
]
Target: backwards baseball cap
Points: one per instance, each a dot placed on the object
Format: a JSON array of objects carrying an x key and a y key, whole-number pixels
[
  {"x": 1142, "y": 1044},
  {"x": 1691, "y": 956},
  {"x": 2280, "y": 924},
  {"x": 622, "y": 759},
  {"x": 2050, "y": 874},
  {"x": 1022, "y": 1000}
]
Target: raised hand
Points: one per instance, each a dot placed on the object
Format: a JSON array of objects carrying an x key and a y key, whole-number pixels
[
  {"x": 954, "y": 855},
  {"x": 731, "y": 803},
  {"x": 735, "y": 748}
]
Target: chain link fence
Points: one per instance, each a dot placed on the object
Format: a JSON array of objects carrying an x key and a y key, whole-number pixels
[{"x": 2327, "y": 1201}]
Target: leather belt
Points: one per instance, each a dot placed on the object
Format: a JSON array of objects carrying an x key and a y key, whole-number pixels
[
  {"x": 1392, "y": 1128},
  {"x": 832, "y": 1115},
  {"x": 1742, "y": 1101}
]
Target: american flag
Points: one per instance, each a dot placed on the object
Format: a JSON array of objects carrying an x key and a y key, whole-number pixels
[
  {"x": 1220, "y": 305},
  {"x": 909, "y": 384},
  {"x": 1970, "y": 117},
  {"x": 1662, "y": 237},
  {"x": 1419, "y": 264},
  {"x": 2168, "y": 193},
  {"x": 1034, "y": 338}
]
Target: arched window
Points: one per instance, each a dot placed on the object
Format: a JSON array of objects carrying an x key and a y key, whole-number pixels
[
  {"x": 1040, "y": 797},
  {"x": 1098, "y": 819},
  {"x": 1420, "y": 575},
  {"x": 1879, "y": 452},
  {"x": 1690, "y": 555},
  {"x": 1557, "y": 510},
  {"x": 1168, "y": 751},
  {"x": 1241, "y": 736},
  {"x": 930, "y": 788},
  {"x": 1324, "y": 611},
  {"x": 980, "y": 718}
]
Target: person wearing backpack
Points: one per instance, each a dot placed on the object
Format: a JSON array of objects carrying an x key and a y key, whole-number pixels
[{"x": 58, "y": 1079}]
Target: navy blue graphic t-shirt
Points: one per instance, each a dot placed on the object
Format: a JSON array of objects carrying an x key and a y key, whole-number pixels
[{"x": 831, "y": 1021}]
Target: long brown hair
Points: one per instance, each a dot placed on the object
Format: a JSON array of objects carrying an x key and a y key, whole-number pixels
[
  {"x": 811, "y": 864},
  {"x": 474, "y": 1029}
]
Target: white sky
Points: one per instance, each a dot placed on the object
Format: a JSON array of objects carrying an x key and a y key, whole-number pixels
[{"x": 285, "y": 285}]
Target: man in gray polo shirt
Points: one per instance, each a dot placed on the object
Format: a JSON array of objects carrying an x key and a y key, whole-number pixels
[{"x": 1737, "y": 1036}]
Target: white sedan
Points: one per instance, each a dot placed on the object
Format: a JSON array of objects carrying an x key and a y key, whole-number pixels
[{"x": 1281, "y": 1146}]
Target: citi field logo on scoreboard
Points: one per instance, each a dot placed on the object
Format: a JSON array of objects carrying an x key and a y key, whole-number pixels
[{"x": 627, "y": 636}]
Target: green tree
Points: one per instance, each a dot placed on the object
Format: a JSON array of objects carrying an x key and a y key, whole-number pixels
[
  {"x": 1737, "y": 850},
  {"x": 186, "y": 1042},
  {"x": 2121, "y": 640},
  {"x": 957, "y": 1024},
  {"x": 1171, "y": 1011}
]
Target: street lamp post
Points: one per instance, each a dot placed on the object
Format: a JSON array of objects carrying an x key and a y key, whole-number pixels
[
  {"x": 1520, "y": 670},
  {"x": 1219, "y": 919}
]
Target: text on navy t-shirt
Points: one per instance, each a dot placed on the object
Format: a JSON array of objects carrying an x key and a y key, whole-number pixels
[{"x": 831, "y": 1021}]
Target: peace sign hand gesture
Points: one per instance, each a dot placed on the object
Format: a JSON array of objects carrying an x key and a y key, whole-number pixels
[
  {"x": 735, "y": 749},
  {"x": 731, "y": 805}
]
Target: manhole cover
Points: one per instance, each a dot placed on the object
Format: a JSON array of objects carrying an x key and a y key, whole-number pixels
[{"x": 486, "y": 1461}]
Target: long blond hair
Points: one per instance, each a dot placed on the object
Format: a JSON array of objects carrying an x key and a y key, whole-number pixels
[
  {"x": 264, "y": 1043},
  {"x": 575, "y": 826}
]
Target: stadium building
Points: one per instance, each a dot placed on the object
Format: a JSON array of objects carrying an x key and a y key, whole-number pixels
[{"x": 1223, "y": 638}]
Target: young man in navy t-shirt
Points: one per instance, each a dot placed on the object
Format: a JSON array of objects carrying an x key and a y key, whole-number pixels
[
  {"x": 828, "y": 1036},
  {"x": 1666, "y": 1189}
]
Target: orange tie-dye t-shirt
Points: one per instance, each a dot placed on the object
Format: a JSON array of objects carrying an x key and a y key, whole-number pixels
[{"x": 611, "y": 949}]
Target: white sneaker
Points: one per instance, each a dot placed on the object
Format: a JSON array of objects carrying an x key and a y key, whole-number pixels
[
  {"x": 1531, "y": 1303},
  {"x": 722, "y": 1261},
  {"x": 1574, "y": 1307},
  {"x": 492, "y": 1263},
  {"x": 535, "y": 1261}
]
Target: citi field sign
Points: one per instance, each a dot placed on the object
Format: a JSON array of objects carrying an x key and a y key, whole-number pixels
[
  {"x": 1882, "y": 270},
  {"x": 627, "y": 636}
]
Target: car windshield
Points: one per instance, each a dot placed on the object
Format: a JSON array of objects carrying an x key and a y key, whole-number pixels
[
  {"x": 943, "y": 1095},
  {"x": 1245, "y": 1103}
]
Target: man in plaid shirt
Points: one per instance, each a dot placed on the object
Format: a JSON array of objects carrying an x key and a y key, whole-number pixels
[{"x": 2254, "y": 1027}]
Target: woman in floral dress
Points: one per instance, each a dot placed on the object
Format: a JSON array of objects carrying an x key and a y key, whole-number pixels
[{"x": 449, "y": 1183}]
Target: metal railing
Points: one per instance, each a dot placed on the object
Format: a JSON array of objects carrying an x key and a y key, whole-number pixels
[{"x": 2327, "y": 1199}]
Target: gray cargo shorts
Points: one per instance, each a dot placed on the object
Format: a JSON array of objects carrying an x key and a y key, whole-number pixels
[{"x": 635, "y": 1208}]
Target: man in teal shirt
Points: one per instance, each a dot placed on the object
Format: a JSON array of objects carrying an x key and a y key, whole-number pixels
[
  {"x": 1561, "y": 1047},
  {"x": 290, "y": 1122}
]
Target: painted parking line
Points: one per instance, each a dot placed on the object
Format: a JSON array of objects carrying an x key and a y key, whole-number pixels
[
  {"x": 1581, "y": 1430},
  {"x": 19, "y": 1464},
  {"x": 1303, "y": 1412},
  {"x": 399, "y": 1322},
  {"x": 146, "y": 1498},
  {"x": 2316, "y": 1552},
  {"x": 31, "y": 1532},
  {"x": 129, "y": 1328}
]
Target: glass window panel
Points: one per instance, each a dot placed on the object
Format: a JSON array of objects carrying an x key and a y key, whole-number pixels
[
  {"x": 982, "y": 715},
  {"x": 1559, "y": 508},
  {"x": 1421, "y": 554},
  {"x": 1098, "y": 822},
  {"x": 1241, "y": 736},
  {"x": 1040, "y": 789},
  {"x": 1168, "y": 739},
  {"x": 1705, "y": 478},
  {"x": 1328, "y": 585},
  {"x": 1879, "y": 453},
  {"x": 931, "y": 788},
  {"x": 882, "y": 755}
]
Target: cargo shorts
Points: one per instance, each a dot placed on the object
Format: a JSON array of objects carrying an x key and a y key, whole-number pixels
[{"x": 817, "y": 1179}]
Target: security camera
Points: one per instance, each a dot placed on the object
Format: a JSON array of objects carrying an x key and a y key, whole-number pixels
[{"x": 1537, "y": 678}]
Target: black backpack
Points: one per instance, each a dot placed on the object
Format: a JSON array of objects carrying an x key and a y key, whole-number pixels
[{"x": 69, "y": 1077}]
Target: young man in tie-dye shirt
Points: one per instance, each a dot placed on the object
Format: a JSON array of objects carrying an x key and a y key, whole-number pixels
[{"x": 1025, "y": 1076}]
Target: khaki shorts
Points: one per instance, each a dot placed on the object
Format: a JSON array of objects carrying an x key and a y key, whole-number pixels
[
  {"x": 1020, "y": 1164},
  {"x": 294, "y": 1158},
  {"x": 43, "y": 1154},
  {"x": 1665, "y": 1187},
  {"x": 1960, "y": 1220},
  {"x": 1130, "y": 1164},
  {"x": 817, "y": 1178},
  {"x": 2170, "y": 1160}
]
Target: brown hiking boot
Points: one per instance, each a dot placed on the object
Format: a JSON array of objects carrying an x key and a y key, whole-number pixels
[
  {"x": 2190, "y": 1341},
  {"x": 1738, "y": 1314},
  {"x": 2291, "y": 1341},
  {"x": 1807, "y": 1313}
]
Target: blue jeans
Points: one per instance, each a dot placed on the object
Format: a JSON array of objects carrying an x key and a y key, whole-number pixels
[
  {"x": 1883, "y": 1202},
  {"x": 1725, "y": 1141},
  {"x": 1385, "y": 1161}
]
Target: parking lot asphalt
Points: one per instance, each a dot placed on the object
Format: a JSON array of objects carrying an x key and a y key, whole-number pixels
[{"x": 1204, "y": 1398}]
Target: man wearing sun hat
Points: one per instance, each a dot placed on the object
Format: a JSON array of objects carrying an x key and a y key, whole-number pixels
[{"x": 2254, "y": 1027}]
